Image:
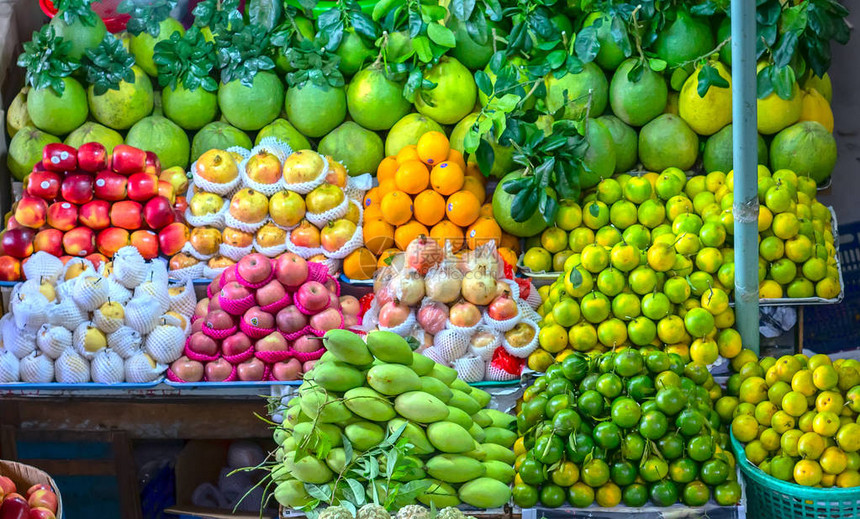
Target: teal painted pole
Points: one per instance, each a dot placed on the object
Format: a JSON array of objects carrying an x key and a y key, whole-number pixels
[{"x": 745, "y": 144}]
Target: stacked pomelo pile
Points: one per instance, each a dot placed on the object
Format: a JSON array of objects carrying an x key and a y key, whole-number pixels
[
  {"x": 461, "y": 308},
  {"x": 269, "y": 200},
  {"x": 427, "y": 189},
  {"x": 74, "y": 324},
  {"x": 796, "y": 417}
]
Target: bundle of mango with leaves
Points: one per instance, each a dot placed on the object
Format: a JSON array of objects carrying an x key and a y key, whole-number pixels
[{"x": 376, "y": 423}]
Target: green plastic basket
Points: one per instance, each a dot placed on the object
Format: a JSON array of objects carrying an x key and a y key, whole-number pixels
[{"x": 771, "y": 498}]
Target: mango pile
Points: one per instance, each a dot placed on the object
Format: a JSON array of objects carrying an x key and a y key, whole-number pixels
[
  {"x": 624, "y": 426},
  {"x": 378, "y": 418}
]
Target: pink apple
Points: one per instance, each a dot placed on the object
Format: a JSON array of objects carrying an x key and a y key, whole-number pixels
[
  {"x": 202, "y": 344},
  {"x": 235, "y": 344},
  {"x": 254, "y": 268},
  {"x": 328, "y": 319},
  {"x": 257, "y": 317},
  {"x": 291, "y": 270},
  {"x": 291, "y": 320},
  {"x": 251, "y": 370},
  {"x": 218, "y": 370},
  {"x": 313, "y": 296},
  {"x": 290, "y": 370},
  {"x": 272, "y": 342},
  {"x": 270, "y": 293},
  {"x": 187, "y": 369}
]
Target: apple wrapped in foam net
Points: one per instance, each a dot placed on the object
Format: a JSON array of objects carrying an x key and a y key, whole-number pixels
[
  {"x": 470, "y": 368},
  {"x": 452, "y": 344}
]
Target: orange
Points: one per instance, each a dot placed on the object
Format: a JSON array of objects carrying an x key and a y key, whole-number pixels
[
  {"x": 386, "y": 187},
  {"x": 397, "y": 207},
  {"x": 412, "y": 177},
  {"x": 483, "y": 231},
  {"x": 360, "y": 264},
  {"x": 407, "y": 153},
  {"x": 509, "y": 241},
  {"x": 433, "y": 147},
  {"x": 372, "y": 212},
  {"x": 378, "y": 235},
  {"x": 472, "y": 170},
  {"x": 486, "y": 210},
  {"x": 372, "y": 197},
  {"x": 429, "y": 207},
  {"x": 474, "y": 186},
  {"x": 386, "y": 169},
  {"x": 447, "y": 178},
  {"x": 446, "y": 232},
  {"x": 404, "y": 234},
  {"x": 386, "y": 257},
  {"x": 457, "y": 158},
  {"x": 509, "y": 256},
  {"x": 462, "y": 208}
]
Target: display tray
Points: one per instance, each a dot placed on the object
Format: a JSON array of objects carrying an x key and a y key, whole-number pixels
[
  {"x": 223, "y": 385},
  {"x": 355, "y": 282},
  {"x": 56, "y": 386}
]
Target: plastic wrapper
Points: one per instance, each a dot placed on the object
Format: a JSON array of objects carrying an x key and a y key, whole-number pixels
[
  {"x": 443, "y": 282},
  {"x": 157, "y": 291},
  {"x": 432, "y": 316}
]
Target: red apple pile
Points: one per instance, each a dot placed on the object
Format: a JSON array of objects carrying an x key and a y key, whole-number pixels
[
  {"x": 40, "y": 502},
  {"x": 88, "y": 203},
  {"x": 263, "y": 320}
]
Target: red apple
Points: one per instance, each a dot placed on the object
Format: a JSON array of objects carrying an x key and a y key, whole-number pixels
[
  {"x": 197, "y": 326},
  {"x": 43, "y": 184},
  {"x": 80, "y": 241},
  {"x": 43, "y": 499},
  {"x": 18, "y": 242},
  {"x": 180, "y": 205},
  {"x": 59, "y": 157},
  {"x": 146, "y": 243},
  {"x": 219, "y": 320},
  {"x": 291, "y": 270},
  {"x": 96, "y": 259},
  {"x": 95, "y": 214},
  {"x": 202, "y": 344},
  {"x": 270, "y": 293},
  {"x": 152, "y": 165},
  {"x": 7, "y": 486},
  {"x": 31, "y": 212},
  {"x": 257, "y": 317},
  {"x": 142, "y": 186},
  {"x": 233, "y": 291},
  {"x": 254, "y": 268},
  {"x": 235, "y": 344},
  {"x": 328, "y": 319},
  {"x": 111, "y": 240},
  {"x": 218, "y": 370},
  {"x": 50, "y": 241},
  {"x": 110, "y": 186},
  {"x": 77, "y": 188},
  {"x": 251, "y": 370},
  {"x": 127, "y": 160},
  {"x": 63, "y": 216},
  {"x": 37, "y": 486},
  {"x": 10, "y": 270},
  {"x": 166, "y": 190},
  {"x": 12, "y": 223},
  {"x": 172, "y": 238},
  {"x": 272, "y": 342},
  {"x": 290, "y": 370},
  {"x": 290, "y": 320},
  {"x": 177, "y": 178},
  {"x": 41, "y": 513},
  {"x": 187, "y": 369},
  {"x": 158, "y": 212},
  {"x": 92, "y": 157},
  {"x": 127, "y": 214},
  {"x": 313, "y": 296}
]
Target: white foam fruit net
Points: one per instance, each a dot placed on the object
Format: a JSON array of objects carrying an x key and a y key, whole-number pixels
[
  {"x": 17, "y": 341},
  {"x": 523, "y": 351},
  {"x": 53, "y": 340},
  {"x": 185, "y": 301},
  {"x": 9, "y": 367},
  {"x": 107, "y": 367},
  {"x": 142, "y": 313},
  {"x": 79, "y": 340},
  {"x": 126, "y": 341},
  {"x": 141, "y": 368},
  {"x": 66, "y": 314},
  {"x": 105, "y": 323},
  {"x": 72, "y": 368},
  {"x": 470, "y": 369},
  {"x": 129, "y": 267},
  {"x": 36, "y": 368},
  {"x": 451, "y": 344},
  {"x": 43, "y": 266},
  {"x": 165, "y": 343}
]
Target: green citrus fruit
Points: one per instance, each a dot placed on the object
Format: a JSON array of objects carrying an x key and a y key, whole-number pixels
[
  {"x": 120, "y": 109},
  {"x": 637, "y": 102},
  {"x": 359, "y": 149},
  {"x": 190, "y": 109},
  {"x": 58, "y": 114},
  {"x": 718, "y": 154},
  {"x": 686, "y": 38},
  {"x": 353, "y": 52},
  {"x": 217, "y": 135},
  {"x": 453, "y": 96},
  {"x": 142, "y": 46},
  {"x": 82, "y": 34},
  {"x": 502, "y": 212},
  {"x": 408, "y": 130},
  {"x": 572, "y": 92},
  {"x": 374, "y": 101},
  {"x": 806, "y": 148},
  {"x": 283, "y": 130},
  {"x": 25, "y": 150},
  {"x": 251, "y": 108},
  {"x": 94, "y": 132},
  {"x": 163, "y": 137},
  {"x": 668, "y": 141}
]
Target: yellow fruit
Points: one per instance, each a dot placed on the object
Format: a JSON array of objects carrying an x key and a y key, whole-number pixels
[
  {"x": 807, "y": 473},
  {"x": 433, "y": 147},
  {"x": 816, "y": 108},
  {"x": 360, "y": 264},
  {"x": 474, "y": 186},
  {"x": 386, "y": 169},
  {"x": 446, "y": 178},
  {"x": 706, "y": 115},
  {"x": 407, "y": 153}
]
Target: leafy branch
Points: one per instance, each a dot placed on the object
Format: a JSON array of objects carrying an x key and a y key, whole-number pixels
[
  {"x": 242, "y": 53},
  {"x": 313, "y": 63},
  {"x": 217, "y": 15},
  {"x": 146, "y": 16},
  {"x": 108, "y": 65},
  {"x": 73, "y": 10},
  {"x": 46, "y": 60},
  {"x": 186, "y": 60},
  {"x": 344, "y": 14}
]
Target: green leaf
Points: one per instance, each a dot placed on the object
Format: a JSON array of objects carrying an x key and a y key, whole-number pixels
[
  {"x": 442, "y": 35},
  {"x": 73, "y": 10},
  {"x": 764, "y": 84},
  {"x": 318, "y": 492},
  {"x": 382, "y": 8},
  {"x": 709, "y": 76},
  {"x": 266, "y": 13},
  {"x": 462, "y": 9},
  {"x": 46, "y": 60},
  {"x": 785, "y": 49},
  {"x": 108, "y": 65},
  {"x": 485, "y": 156},
  {"x": 357, "y": 491},
  {"x": 483, "y": 82},
  {"x": 421, "y": 44},
  {"x": 783, "y": 82},
  {"x": 657, "y": 65},
  {"x": 587, "y": 45},
  {"x": 524, "y": 204},
  {"x": 575, "y": 278}
]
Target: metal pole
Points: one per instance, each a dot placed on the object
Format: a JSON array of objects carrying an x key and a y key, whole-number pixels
[{"x": 745, "y": 148}]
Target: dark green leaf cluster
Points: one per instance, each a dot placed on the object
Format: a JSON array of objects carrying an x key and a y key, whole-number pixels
[
  {"x": 313, "y": 63},
  {"x": 46, "y": 60},
  {"x": 217, "y": 14},
  {"x": 187, "y": 60},
  {"x": 73, "y": 10},
  {"x": 242, "y": 52},
  {"x": 345, "y": 14},
  {"x": 146, "y": 15},
  {"x": 108, "y": 65}
]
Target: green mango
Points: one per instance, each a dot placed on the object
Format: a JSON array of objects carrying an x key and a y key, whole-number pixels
[
  {"x": 280, "y": 474},
  {"x": 331, "y": 432},
  {"x": 483, "y": 418},
  {"x": 464, "y": 402},
  {"x": 440, "y": 495},
  {"x": 347, "y": 347},
  {"x": 422, "y": 365},
  {"x": 459, "y": 417},
  {"x": 389, "y": 347},
  {"x": 454, "y": 468},
  {"x": 290, "y": 444},
  {"x": 500, "y": 436},
  {"x": 337, "y": 376},
  {"x": 444, "y": 373},
  {"x": 393, "y": 379},
  {"x": 499, "y": 471},
  {"x": 409, "y": 468},
  {"x": 499, "y": 418},
  {"x": 420, "y": 407},
  {"x": 280, "y": 435},
  {"x": 309, "y": 469},
  {"x": 364, "y": 435},
  {"x": 479, "y": 395},
  {"x": 291, "y": 494},
  {"x": 414, "y": 433},
  {"x": 477, "y": 433},
  {"x": 280, "y": 454},
  {"x": 436, "y": 387},
  {"x": 326, "y": 408},
  {"x": 293, "y": 414},
  {"x": 450, "y": 437},
  {"x": 477, "y": 453},
  {"x": 485, "y": 493},
  {"x": 458, "y": 383},
  {"x": 369, "y": 404},
  {"x": 499, "y": 453},
  {"x": 336, "y": 460}
]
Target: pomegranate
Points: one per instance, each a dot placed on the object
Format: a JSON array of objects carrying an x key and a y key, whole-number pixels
[
  {"x": 479, "y": 288},
  {"x": 328, "y": 319},
  {"x": 349, "y": 305},
  {"x": 520, "y": 335},
  {"x": 423, "y": 253},
  {"x": 290, "y": 320},
  {"x": 382, "y": 285},
  {"x": 307, "y": 344},
  {"x": 433, "y": 316},
  {"x": 464, "y": 315},
  {"x": 290, "y": 370},
  {"x": 503, "y": 307},
  {"x": 408, "y": 286},
  {"x": 394, "y": 313},
  {"x": 503, "y": 288},
  {"x": 443, "y": 283}
]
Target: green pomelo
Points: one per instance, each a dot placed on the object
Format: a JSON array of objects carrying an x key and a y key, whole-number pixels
[
  {"x": 724, "y": 31},
  {"x": 218, "y": 136},
  {"x": 94, "y": 132},
  {"x": 393, "y": 379},
  {"x": 58, "y": 114},
  {"x": 685, "y": 39},
  {"x": 718, "y": 154},
  {"x": 369, "y": 404},
  {"x": 439, "y": 495},
  {"x": 359, "y": 149},
  {"x": 473, "y": 53},
  {"x": 142, "y": 46},
  {"x": 502, "y": 201},
  {"x": 625, "y": 141},
  {"x": 485, "y": 493},
  {"x": 422, "y": 366},
  {"x": 347, "y": 347},
  {"x": 315, "y": 110},
  {"x": 572, "y": 92},
  {"x": 120, "y": 109},
  {"x": 599, "y": 157},
  {"x": 364, "y": 435},
  {"x": 806, "y": 148},
  {"x": 450, "y": 437},
  {"x": 454, "y": 468},
  {"x": 610, "y": 54},
  {"x": 637, "y": 103},
  {"x": 407, "y": 131},
  {"x": 420, "y": 407},
  {"x": 283, "y": 130},
  {"x": 190, "y": 109},
  {"x": 503, "y": 156},
  {"x": 668, "y": 141},
  {"x": 163, "y": 137},
  {"x": 337, "y": 376},
  {"x": 499, "y": 471},
  {"x": 453, "y": 96},
  {"x": 353, "y": 52},
  {"x": 389, "y": 347},
  {"x": 81, "y": 35},
  {"x": 25, "y": 150},
  {"x": 374, "y": 101},
  {"x": 251, "y": 108},
  {"x": 398, "y": 47}
]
